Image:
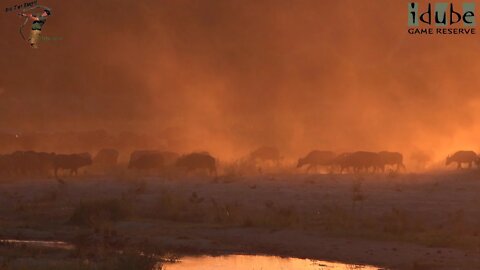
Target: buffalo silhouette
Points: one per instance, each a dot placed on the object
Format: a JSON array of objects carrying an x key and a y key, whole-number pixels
[
  {"x": 316, "y": 159},
  {"x": 460, "y": 157},
  {"x": 71, "y": 162},
  {"x": 197, "y": 161}
]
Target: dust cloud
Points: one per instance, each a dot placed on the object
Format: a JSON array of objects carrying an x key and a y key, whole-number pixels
[{"x": 229, "y": 76}]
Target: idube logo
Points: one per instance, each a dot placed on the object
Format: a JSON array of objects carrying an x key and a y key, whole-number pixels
[{"x": 441, "y": 19}]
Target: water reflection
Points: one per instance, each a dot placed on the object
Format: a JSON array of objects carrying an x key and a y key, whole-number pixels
[
  {"x": 43, "y": 244},
  {"x": 247, "y": 262}
]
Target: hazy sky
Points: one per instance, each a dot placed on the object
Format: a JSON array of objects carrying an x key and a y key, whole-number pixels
[{"x": 229, "y": 75}]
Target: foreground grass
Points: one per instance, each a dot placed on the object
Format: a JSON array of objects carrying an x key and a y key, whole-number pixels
[
  {"x": 105, "y": 216},
  {"x": 15, "y": 257}
]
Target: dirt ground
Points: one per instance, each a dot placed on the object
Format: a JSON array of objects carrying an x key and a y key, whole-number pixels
[{"x": 394, "y": 221}]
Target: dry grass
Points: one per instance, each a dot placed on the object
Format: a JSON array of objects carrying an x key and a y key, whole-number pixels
[
  {"x": 429, "y": 210},
  {"x": 99, "y": 212}
]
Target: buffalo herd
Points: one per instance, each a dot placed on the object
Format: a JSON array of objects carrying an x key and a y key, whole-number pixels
[
  {"x": 31, "y": 163},
  {"x": 356, "y": 162}
]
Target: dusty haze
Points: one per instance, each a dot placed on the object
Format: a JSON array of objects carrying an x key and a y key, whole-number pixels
[{"x": 228, "y": 76}]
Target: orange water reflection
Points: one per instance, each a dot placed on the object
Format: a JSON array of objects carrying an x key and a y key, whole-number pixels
[
  {"x": 246, "y": 262},
  {"x": 42, "y": 244}
]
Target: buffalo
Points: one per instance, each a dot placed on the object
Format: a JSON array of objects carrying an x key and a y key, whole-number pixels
[
  {"x": 27, "y": 163},
  {"x": 71, "y": 162},
  {"x": 340, "y": 161},
  {"x": 6, "y": 165},
  {"x": 391, "y": 159},
  {"x": 461, "y": 157},
  {"x": 315, "y": 159},
  {"x": 197, "y": 161},
  {"x": 358, "y": 161}
]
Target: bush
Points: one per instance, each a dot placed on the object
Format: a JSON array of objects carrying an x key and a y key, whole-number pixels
[
  {"x": 132, "y": 261},
  {"x": 95, "y": 212}
]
